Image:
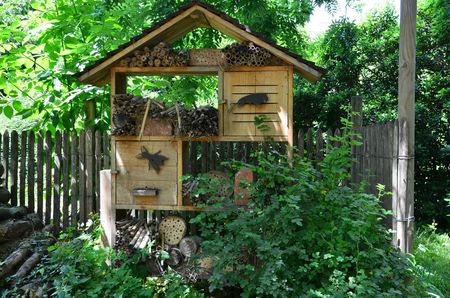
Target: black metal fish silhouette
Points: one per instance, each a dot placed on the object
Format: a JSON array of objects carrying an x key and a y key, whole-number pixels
[
  {"x": 155, "y": 160},
  {"x": 254, "y": 98}
]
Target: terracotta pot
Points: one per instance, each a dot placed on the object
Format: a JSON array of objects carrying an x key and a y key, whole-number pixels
[{"x": 5, "y": 195}]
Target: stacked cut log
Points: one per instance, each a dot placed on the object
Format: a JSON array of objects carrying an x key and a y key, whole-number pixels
[
  {"x": 246, "y": 54},
  {"x": 202, "y": 121},
  {"x": 133, "y": 234},
  {"x": 125, "y": 111},
  {"x": 160, "y": 55},
  {"x": 16, "y": 222},
  {"x": 22, "y": 260}
]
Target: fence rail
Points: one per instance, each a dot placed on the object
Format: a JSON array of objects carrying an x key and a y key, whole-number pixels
[{"x": 58, "y": 176}]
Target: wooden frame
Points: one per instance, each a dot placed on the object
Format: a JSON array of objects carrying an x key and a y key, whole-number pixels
[
  {"x": 118, "y": 85},
  {"x": 193, "y": 16}
]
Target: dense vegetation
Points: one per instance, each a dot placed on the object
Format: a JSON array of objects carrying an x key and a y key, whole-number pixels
[
  {"x": 304, "y": 233},
  {"x": 363, "y": 60},
  {"x": 323, "y": 239},
  {"x": 78, "y": 265},
  {"x": 43, "y": 43}
]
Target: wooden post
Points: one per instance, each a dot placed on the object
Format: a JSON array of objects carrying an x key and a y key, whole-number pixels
[{"x": 406, "y": 104}]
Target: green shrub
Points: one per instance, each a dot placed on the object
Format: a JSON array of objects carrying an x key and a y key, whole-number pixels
[
  {"x": 78, "y": 267},
  {"x": 304, "y": 233}
]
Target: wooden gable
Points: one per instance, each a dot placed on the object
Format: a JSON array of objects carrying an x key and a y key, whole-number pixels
[{"x": 188, "y": 18}]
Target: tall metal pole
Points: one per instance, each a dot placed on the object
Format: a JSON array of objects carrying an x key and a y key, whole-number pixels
[{"x": 404, "y": 211}]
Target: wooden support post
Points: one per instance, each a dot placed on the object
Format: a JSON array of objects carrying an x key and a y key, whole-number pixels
[
  {"x": 107, "y": 212},
  {"x": 406, "y": 104},
  {"x": 118, "y": 86}
]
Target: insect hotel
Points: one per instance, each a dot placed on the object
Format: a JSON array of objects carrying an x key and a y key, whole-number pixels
[{"x": 255, "y": 80}]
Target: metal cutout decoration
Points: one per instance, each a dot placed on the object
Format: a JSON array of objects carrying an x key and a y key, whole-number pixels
[
  {"x": 254, "y": 98},
  {"x": 155, "y": 160}
]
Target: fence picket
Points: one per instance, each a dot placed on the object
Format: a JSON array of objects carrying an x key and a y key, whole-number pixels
[
  {"x": 48, "y": 177},
  {"x": 204, "y": 157},
  {"x": 193, "y": 158},
  {"x": 74, "y": 179},
  {"x": 31, "y": 172},
  {"x": 301, "y": 143},
  {"x": 212, "y": 155},
  {"x": 23, "y": 167},
  {"x": 106, "y": 151},
  {"x": 82, "y": 174},
  {"x": 319, "y": 145},
  {"x": 89, "y": 171},
  {"x": 57, "y": 182},
  {"x": 14, "y": 166},
  {"x": 97, "y": 168},
  {"x": 309, "y": 144},
  {"x": 6, "y": 157},
  {"x": 66, "y": 173},
  {"x": 40, "y": 175}
]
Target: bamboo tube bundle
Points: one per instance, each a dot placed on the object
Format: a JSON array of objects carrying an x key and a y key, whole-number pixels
[
  {"x": 160, "y": 55},
  {"x": 238, "y": 54}
]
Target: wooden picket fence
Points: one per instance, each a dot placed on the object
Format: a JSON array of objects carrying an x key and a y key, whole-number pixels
[
  {"x": 55, "y": 176},
  {"x": 58, "y": 176}
]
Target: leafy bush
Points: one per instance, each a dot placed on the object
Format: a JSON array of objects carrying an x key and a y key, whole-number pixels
[
  {"x": 304, "y": 233},
  {"x": 78, "y": 267}
]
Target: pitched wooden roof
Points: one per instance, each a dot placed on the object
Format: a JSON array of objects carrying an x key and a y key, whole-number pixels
[{"x": 187, "y": 18}]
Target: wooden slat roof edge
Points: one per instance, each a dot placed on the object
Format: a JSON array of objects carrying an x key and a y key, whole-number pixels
[{"x": 307, "y": 64}]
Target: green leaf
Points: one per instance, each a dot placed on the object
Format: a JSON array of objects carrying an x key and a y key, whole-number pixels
[
  {"x": 17, "y": 105},
  {"x": 8, "y": 111}
]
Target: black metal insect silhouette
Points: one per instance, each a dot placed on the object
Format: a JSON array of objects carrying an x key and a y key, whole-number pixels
[
  {"x": 255, "y": 98},
  {"x": 155, "y": 160}
]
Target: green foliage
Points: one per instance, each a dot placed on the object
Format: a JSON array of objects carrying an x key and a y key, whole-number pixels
[
  {"x": 303, "y": 234},
  {"x": 77, "y": 266},
  {"x": 431, "y": 259},
  {"x": 363, "y": 60}
]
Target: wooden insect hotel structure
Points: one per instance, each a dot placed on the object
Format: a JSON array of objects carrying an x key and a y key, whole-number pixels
[{"x": 255, "y": 79}]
